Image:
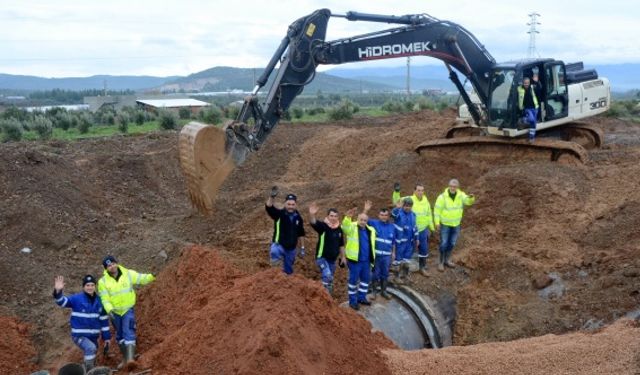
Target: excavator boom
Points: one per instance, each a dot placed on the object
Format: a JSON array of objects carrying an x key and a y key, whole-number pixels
[{"x": 209, "y": 154}]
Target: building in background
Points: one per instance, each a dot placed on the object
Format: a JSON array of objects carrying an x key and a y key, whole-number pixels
[{"x": 174, "y": 105}]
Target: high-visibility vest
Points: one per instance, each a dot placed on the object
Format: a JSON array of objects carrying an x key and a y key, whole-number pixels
[
  {"x": 352, "y": 247},
  {"x": 521, "y": 97},
  {"x": 422, "y": 209},
  {"x": 118, "y": 295},
  {"x": 449, "y": 211}
]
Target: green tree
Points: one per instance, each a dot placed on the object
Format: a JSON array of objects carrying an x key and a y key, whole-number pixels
[
  {"x": 11, "y": 129},
  {"x": 43, "y": 126},
  {"x": 184, "y": 113},
  {"x": 168, "y": 120}
]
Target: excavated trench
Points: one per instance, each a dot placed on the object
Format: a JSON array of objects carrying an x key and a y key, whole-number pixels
[{"x": 410, "y": 319}]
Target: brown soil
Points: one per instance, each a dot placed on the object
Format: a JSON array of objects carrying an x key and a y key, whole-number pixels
[
  {"x": 17, "y": 354},
  {"x": 534, "y": 221},
  {"x": 612, "y": 351},
  {"x": 230, "y": 323}
]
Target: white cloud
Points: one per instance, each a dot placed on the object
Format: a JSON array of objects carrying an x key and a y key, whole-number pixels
[{"x": 79, "y": 38}]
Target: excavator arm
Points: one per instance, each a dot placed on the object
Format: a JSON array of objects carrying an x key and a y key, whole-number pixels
[{"x": 208, "y": 155}]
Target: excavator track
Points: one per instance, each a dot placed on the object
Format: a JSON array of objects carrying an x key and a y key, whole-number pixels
[
  {"x": 587, "y": 135},
  {"x": 556, "y": 148},
  {"x": 463, "y": 130},
  {"x": 204, "y": 162}
]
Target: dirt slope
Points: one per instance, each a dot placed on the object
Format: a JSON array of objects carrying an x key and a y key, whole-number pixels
[{"x": 534, "y": 223}]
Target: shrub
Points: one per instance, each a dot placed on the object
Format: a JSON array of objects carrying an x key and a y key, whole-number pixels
[
  {"x": 84, "y": 124},
  {"x": 62, "y": 120},
  {"x": 11, "y": 130},
  {"x": 123, "y": 123},
  {"x": 232, "y": 112},
  {"x": 42, "y": 126},
  {"x": 167, "y": 120},
  {"x": 393, "y": 107},
  {"x": 344, "y": 111},
  {"x": 139, "y": 117},
  {"x": 211, "y": 115},
  {"x": 297, "y": 112},
  {"x": 184, "y": 113}
]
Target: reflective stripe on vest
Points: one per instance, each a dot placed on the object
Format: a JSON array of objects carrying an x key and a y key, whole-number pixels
[
  {"x": 275, "y": 240},
  {"x": 521, "y": 97},
  {"x": 321, "y": 247}
]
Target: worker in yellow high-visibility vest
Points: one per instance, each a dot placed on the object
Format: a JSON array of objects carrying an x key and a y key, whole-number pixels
[
  {"x": 447, "y": 214},
  {"x": 424, "y": 222}
]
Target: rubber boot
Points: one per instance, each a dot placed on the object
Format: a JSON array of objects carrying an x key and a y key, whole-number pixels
[
  {"x": 422, "y": 264},
  {"x": 405, "y": 272},
  {"x": 374, "y": 289},
  {"x": 448, "y": 261},
  {"x": 441, "y": 263},
  {"x": 123, "y": 351},
  {"x": 330, "y": 289},
  {"x": 383, "y": 287},
  {"x": 89, "y": 364},
  {"x": 130, "y": 354}
]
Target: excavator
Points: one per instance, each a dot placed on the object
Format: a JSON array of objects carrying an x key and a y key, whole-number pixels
[{"x": 490, "y": 115}]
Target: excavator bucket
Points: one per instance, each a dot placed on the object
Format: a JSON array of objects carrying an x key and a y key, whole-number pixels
[{"x": 205, "y": 163}]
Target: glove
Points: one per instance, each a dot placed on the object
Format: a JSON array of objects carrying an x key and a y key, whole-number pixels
[
  {"x": 396, "y": 187},
  {"x": 274, "y": 191},
  {"x": 301, "y": 254},
  {"x": 105, "y": 350}
]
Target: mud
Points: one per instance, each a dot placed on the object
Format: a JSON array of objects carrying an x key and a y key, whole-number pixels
[{"x": 72, "y": 203}]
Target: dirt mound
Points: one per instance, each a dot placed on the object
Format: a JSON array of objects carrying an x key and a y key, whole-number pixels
[
  {"x": 203, "y": 316},
  {"x": 17, "y": 354},
  {"x": 612, "y": 351}
]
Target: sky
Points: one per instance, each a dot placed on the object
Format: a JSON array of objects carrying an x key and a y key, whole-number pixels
[{"x": 73, "y": 38}]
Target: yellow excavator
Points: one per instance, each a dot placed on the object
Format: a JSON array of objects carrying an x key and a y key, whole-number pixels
[{"x": 568, "y": 93}]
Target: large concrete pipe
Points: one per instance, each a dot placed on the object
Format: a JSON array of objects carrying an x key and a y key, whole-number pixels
[{"x": 410, "y": 319}]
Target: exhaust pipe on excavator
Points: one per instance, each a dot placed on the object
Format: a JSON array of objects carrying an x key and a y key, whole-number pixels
[{"x": 208, "y": 154}]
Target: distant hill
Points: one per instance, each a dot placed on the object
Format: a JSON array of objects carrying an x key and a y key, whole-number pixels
[
  {"x": 227, "y": 78},
  {"x": 623, "y": 77},
  {"x": 32, "y": 83}
]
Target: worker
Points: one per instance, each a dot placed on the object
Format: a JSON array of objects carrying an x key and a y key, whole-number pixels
[
  {"x": 384, "y": 249},
  {"x": 288, "y": 231},
  {"x": 360, "y": 254},
  {"x": 424, "y": 222},
  {"x": 447, "y": 214},
  {"x": 330, "y": 245},
  {"x": 116, "y": 289},
  {"x": 528, "y": 105},
  {"x": 88, "y": 318},
  {"x": 406, "y": 236}
]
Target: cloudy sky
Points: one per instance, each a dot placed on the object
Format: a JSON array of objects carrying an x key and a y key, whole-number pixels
[{"x": 75, "y": 38}]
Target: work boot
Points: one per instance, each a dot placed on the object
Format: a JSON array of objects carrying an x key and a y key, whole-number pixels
[
  {"x": 441, "y": 267},
  {"x": 373, "y": 286},
  {"x": 123, "y": 351},
  {"x": 330, "y": 289},
  {"x": 448, "y": 262},
  {"x": 89, "y": 364},
  {"x": 422, "y": 264},
  {"x": 383, "y": 288},
  {"x": 365, "y": 302},
  {"x": 130, "y": 354},
  {"x": 354, "y": 306}
]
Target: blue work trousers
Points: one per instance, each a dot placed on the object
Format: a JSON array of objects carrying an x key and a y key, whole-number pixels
[
  {"x": 89, "y": 346},
  {"x": 530, "y": 117},
  {"x": 327, "y": 269},
  {"x": 404, "y": 251},
  {"x": 423, "y": 247},
  {"x": 381, "y": 269},
  {"x": 279, "y": 253},
  {"x": 125, "y": 326},
  {"x": 358, "y": 271},
  {"x": 448, "y": 237}
]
